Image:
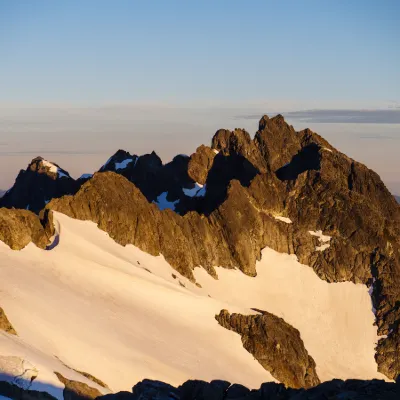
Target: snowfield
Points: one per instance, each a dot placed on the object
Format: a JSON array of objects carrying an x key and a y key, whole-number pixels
[{"x": 123, "y": 315}]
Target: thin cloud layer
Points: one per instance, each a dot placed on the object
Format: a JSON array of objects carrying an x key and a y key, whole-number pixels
[{"x": 389, "y": 116}]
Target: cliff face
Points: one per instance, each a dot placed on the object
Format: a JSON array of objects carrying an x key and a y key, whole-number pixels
[{"x": 291, "y": 191}]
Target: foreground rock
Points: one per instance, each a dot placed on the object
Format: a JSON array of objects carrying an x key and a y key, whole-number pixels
[
  {"x": 221, "y": 390},
  {"x": 20, "y": 227},
  {"x": 11, "y": 391},
  {"x": 276, "y": 345}
]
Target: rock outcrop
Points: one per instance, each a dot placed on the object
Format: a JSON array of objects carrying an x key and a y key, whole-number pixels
[
  {"x": 5, "y": 324},
  {"x": 276, "y": 345},
  {"x": 20, "y": 227},
  {"x": 75, "y": 390}
]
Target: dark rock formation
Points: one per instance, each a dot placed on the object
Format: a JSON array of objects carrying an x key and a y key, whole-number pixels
[
  {"x": 75, "y": 390},
  {"x": 16, "y": 393},
  {"x": 276, "y": 345},
  {"x": 37, "y": 185},
  {"x": 20, "y": 227},
  {"x": 221, "y": 390},
  {"x": 152, "y": 177},
  {"x": 5, "y": 324}
]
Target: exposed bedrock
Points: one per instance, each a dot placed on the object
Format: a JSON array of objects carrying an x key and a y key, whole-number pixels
[
  {"x": 276, "y": 345},
  {"x": 20, "y": 227},
  {"x": 5, "y": 324},
  {"x": 75, "y": 390}
]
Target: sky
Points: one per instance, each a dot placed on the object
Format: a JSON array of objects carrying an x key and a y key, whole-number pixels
[{"x": 80, "y": 79}]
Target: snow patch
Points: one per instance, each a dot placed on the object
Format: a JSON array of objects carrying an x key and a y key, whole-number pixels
[
  {"x": 162, "y": 202},
  {"x": 54, "y": 169},
  {"x": 202, "y": 192},
  {"x": 61, "y": 174},
  {"x": 323, "y": 240},
  {"x": 123, "y": 164},
  {"x": 199, "y": 190},
  {"x": 326, "y": 149},
  {"x": 283, "y": 219},
  {"x": 215, "y": 151}
]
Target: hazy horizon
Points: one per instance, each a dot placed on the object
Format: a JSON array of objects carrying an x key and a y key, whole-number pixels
[
  {"x": 79, "y": 80},
  {"x": 81, "y": 139}
]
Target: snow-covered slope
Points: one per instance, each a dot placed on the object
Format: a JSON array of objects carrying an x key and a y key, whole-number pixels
[{"x": 123, "y": 315}]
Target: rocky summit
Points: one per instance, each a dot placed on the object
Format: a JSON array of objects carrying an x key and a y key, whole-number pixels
[
  {"x": 35, "y": 186},
  {"x": 216, "y": 210}
]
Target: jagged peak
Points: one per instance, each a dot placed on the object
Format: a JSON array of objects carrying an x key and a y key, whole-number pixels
[
  {"x": 119, "y": 160},
  {"x": 272, "y": 123},
  {"x": 152, "y": 159},
  {"x": 123, "y": 153},
  {"x": 227, "y": 140},
  {"x": 42, "y": 166}
]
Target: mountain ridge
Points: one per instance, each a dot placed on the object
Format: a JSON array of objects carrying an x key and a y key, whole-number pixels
[{"x": 289, "y": 191}]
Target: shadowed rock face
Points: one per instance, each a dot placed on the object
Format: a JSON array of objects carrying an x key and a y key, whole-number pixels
[
  {"x": 276, "y": 345},
  {"x": 280, "y": 172},
  {"x": 15, "y": 392},
  {"x": 74, "y": 390},
  {"x": 221, "y": 390},
  {"x": 37, "y": 185}
]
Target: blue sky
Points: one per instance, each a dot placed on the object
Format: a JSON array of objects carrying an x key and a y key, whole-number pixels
[
  {"x": 80, "y": 79},
  {"x": 335, "y": 53}
]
